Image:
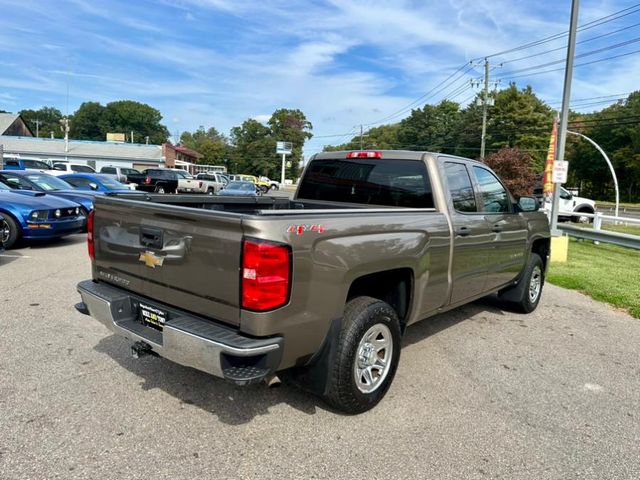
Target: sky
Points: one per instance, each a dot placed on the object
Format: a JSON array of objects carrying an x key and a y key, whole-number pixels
[{"x": 217, "y": 63}]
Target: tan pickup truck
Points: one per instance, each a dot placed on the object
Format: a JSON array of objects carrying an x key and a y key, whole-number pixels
[{"x": 321, "y": 286}]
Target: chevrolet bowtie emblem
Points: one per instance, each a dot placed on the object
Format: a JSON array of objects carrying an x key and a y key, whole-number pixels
[{"x": 150, "y": 259}]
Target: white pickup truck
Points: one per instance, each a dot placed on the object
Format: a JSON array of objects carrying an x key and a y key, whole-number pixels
[
  {"x": 569, "y": 203},
  {"x": 187, "y": 183}
]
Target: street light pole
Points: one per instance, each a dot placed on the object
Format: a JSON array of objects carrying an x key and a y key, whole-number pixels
[
  {"x": 606, "y": 158},
  {"x": 564, "y": 115}
]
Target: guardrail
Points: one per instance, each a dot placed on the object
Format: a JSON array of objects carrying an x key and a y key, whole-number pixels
[{"x": 596, "y": 234}]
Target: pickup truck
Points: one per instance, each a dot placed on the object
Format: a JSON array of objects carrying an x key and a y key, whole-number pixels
[
  {"x": 318, "y": 288},
  {"x": 568, "y": 203},
  {"x": 158, "y": 180}
]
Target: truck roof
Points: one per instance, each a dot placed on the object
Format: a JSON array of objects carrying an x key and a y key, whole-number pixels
[{"x": 390, "y": 154}]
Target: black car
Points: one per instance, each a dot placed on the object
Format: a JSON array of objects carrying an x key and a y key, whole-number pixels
[{"x": 158, "y": 180}]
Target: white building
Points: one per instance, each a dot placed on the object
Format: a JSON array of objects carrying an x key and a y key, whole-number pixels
[{"x": 92, "y": 153}]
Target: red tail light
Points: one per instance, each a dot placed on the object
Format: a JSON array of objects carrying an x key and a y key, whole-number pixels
[
  {"x": 266, "y": 272},
  {"x": 92, "y": 253},
  {"x": 147, "y": 180},
  {"x": 370, "y": 154}
]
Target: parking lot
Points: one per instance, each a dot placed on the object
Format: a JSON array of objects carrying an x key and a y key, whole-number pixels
[{"x": 480, "y": 393}]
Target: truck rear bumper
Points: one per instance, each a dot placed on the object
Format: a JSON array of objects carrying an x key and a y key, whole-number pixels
[{"x": 185, "y": 339}]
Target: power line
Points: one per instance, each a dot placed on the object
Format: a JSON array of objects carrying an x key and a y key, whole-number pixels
[
  {"x": 578, "y": 43},
  {"x": 576, "y": 100},
  {"x": 595, "y": 23}
]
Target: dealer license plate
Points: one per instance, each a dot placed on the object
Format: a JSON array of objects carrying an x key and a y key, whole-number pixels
[{"x": 152, "y": 316}]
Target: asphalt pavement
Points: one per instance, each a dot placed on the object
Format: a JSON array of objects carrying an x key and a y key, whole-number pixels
[{"x": 480, "y": 393}]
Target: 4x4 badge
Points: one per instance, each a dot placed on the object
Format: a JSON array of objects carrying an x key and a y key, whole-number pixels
[{"x": 150, "y": 259}]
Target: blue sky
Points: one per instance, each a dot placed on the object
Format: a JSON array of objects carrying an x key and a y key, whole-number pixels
[{"x": 343, "y": 63}]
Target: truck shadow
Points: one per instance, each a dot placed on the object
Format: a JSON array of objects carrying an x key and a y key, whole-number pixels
[
  {"x": 8, "y": 256},
  {"x": 234, "y": 405},
  {"x": 55, "y": 242}
]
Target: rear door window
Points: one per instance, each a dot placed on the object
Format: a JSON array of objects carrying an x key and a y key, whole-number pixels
[
  {"x": 460, "y": 187},
  {"x": 371, "y": 181}
]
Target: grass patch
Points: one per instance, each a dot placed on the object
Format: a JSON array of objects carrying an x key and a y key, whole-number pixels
[
  {"x": 613, "y": 204},
  {"x": 631, "y": 229},
  {"x": 607, "y": 273}
]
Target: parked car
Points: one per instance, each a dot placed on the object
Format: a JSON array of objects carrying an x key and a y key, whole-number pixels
[
  {"x": 158, "y": 180},
  {"x": 25, "y": 164},
  {"x": 240, "y": 189},
  {"x": 42, "y": 182},
  {"x": 96, "y": 182},
  {"x": 214, "y": 181},
  {"x": 273, "y": 185},
  {"x": 35, "y": 215},
  {"x": 262, "y": 186},
  {"x": 121, "y": 173},
  {"x": 322, "y": 286},
  {"x": 63, "y": 168}
]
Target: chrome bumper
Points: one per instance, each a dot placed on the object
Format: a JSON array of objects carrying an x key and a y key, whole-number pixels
[{"x": 185, "y": 339}]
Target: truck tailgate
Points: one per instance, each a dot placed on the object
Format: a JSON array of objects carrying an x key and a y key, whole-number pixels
[{"x": 187, "y": 258}]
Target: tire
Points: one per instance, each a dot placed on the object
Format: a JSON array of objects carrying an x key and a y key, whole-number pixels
[
  {"x": 264, "y": 189},
  {"x": 581, "y": 218},
  {"x": 10, "y": 232},
  {"x": 160, "y": 189},
  {"x": 85, "y": 214},
  {"x": 274, "y": 187},
  {"x": 358, "y": 377},
  {"x": 211, "y": 191},
  {"x": 525, "y": 296}
]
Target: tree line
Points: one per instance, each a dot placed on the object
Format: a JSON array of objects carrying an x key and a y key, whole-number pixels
[{"x": 518, "y": 129}]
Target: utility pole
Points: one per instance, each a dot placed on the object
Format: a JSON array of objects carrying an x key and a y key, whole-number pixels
[
  {"x": 564, "y": 115},
  {"x": 485, "y": 105},
  {"x": 362, "y": 135},
  {"x": 37, "y": 122}
]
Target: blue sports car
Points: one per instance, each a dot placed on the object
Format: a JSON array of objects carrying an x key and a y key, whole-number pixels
[
  {"x": 95, "y": 182},
  {"x": 42, "y": 182},
  {"x": 36, "y": 215}
]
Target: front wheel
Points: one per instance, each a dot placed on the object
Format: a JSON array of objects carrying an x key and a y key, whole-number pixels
[
  {"x": 367, "y": 356},
  {"x": 264, "y": 189},
  {"x": 9, "y": 231}
]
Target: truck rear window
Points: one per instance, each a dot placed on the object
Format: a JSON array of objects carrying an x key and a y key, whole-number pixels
[{"x": 379, "y": 181}]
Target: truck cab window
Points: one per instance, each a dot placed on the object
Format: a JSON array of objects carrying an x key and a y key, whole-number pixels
[
  {"x": 460, "y": 187},
  {"x": 495, "y": 197}
]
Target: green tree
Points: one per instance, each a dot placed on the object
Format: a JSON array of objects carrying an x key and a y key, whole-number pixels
[
  {"x": 126, "y": 116},
  {"x": 291, "y": 126},
  {"x": 254, "y": 150},
  {"x": 384, "y": 137},
  {"x": 49, "y": 121},
  {"x": 520, "y": 119},
  {"x": 431, "y": 128},
  {"x": 210, "y": 143},
  {"x": 87, "y": 122}
]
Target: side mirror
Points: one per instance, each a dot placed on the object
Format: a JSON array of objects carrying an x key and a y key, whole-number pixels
[
  {"x": 528, "y": 204},
  {"x": 565, "y": 195},
  {"x": 93, "y": 186}
]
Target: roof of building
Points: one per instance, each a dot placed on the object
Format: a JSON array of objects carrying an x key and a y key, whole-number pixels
[
  {"x": 6, "y": 120},
  {"x": 81, "y": 148}
]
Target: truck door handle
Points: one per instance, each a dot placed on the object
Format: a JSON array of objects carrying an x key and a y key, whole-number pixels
[
  {"x": 463, "y": 231},
  {"x": 151, "y": 237}
]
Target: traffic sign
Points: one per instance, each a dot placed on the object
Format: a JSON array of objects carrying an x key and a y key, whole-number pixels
[{"x": 560, "y": 171}]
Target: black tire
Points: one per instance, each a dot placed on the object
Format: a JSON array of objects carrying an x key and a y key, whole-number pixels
[
  {"x": 525, "y": 296},
  {"x": 211, "y": 191},
  {"x": 581, "y": 218},
  {"x": 264, "y": 189},
  {"x": 85, "y": 214},
  {"x": 344, "y": 389},
  {"x": 274, "y": 187},
  {"x": 160, "y": 189},
  {"x": 10, "y": 232}
]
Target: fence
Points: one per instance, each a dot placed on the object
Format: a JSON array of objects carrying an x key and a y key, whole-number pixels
[{"x": 596, "y": 234}]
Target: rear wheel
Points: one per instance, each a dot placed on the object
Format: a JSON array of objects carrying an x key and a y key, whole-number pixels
[
  {"x": 10, "y": 232},
  {"x": 211, "y": 191},
  {"x": 264, "y": 189},
  {"x": 525, "y": 296},
  {"x": 581, "y": 218},
  {"x": 274, "y": 187},
  {"x": 367, "y": 355},
  {"x": 160, "y": 189}
]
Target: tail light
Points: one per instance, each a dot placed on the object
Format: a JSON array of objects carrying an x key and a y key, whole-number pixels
[
  {"x": 370, "y": 154},
  {"x": 90, "y": 245},
  {"x": 266, "y": 275},
  {"x": 199, "y": 184},
  {"x": 147, "y": 180}
]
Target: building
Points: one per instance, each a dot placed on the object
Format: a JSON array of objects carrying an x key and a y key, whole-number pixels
[
  {"x": 12, "y": 124},
  {"x": 92, "y": 153},
  {"x": 177, "y": 156}
]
